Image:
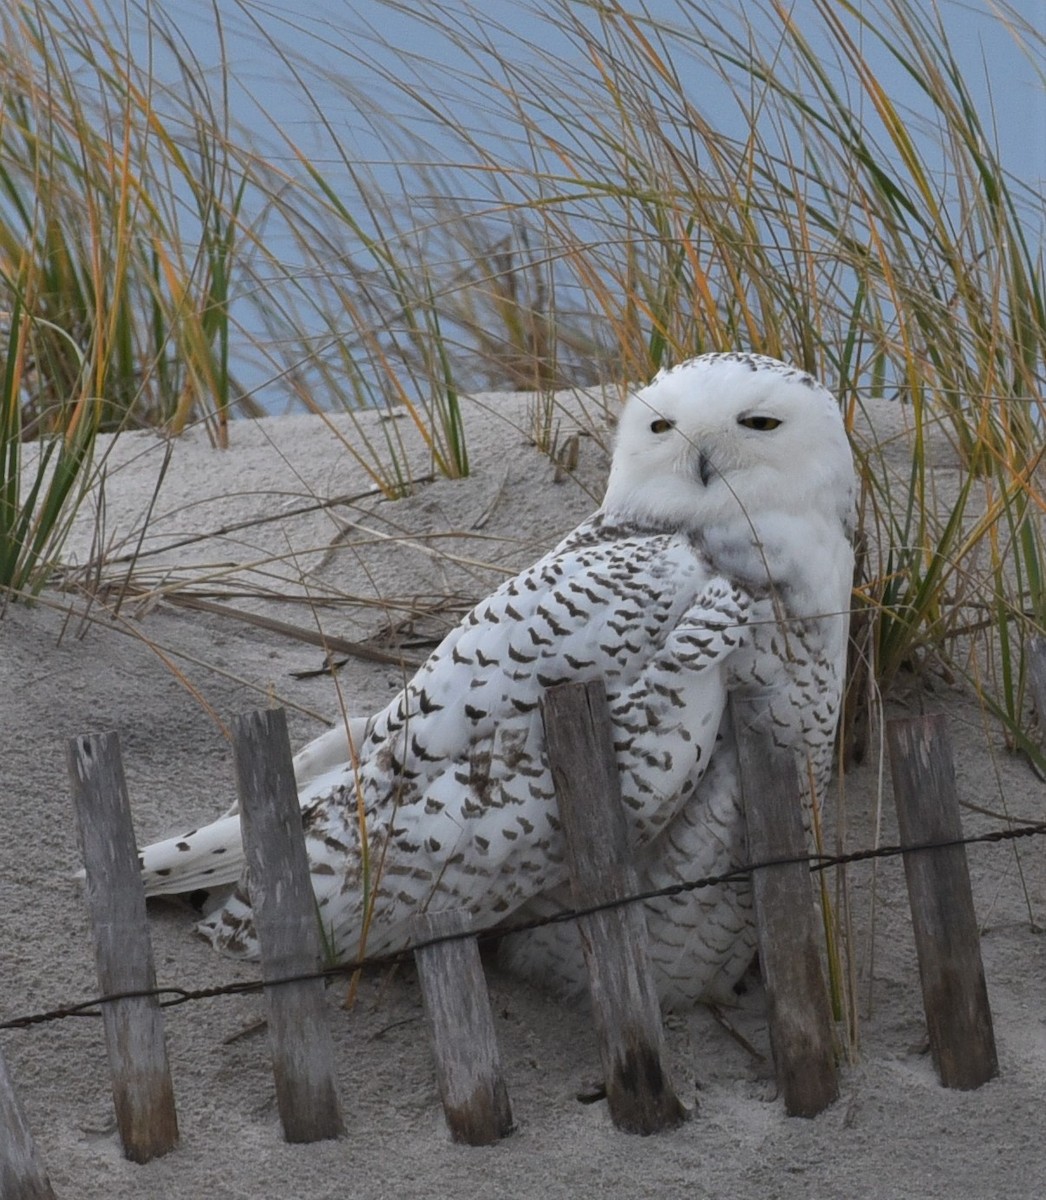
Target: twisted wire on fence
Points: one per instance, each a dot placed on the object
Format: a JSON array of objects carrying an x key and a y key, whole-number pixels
[{"x": 170, "y": 996}]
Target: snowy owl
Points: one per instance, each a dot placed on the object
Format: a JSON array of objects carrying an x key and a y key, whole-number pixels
[{"x": 720, "y": 561}]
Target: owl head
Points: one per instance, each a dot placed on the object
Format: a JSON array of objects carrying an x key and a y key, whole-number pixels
[{"x": 725, "y": 440}]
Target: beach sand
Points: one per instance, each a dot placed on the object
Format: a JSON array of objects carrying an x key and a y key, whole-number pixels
[{"x": 166, "y": 675}]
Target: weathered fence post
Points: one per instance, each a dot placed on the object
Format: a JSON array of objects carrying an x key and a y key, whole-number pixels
[
  {"x": 22, "y": 1176},
  {"x": 287, "y": 925},
  {"x": 464, "y": 1044},
  {"x": 947, "y": 942},
  {"x": 625, "y": 1006},
  {"x": 798, "y": 1012},
  {"x": 141, "y": 1076}
]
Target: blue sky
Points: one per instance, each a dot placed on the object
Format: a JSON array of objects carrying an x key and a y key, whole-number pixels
[
  {"x": 347, "y": 38},
  {"x": 349, "y": 42}
]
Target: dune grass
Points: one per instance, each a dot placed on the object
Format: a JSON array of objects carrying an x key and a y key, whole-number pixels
[{"x": 618, "y": 225}]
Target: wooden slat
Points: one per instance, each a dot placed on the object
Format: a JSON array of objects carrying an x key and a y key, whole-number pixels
[
  {"x": 464, "y": 1044},
  {"x": 947, "y": 941},
  {"x": 287, "y": 925},
  {"x": 625, "y": 1006},
  {"x": 788, "y": 933},
  {"x": 22, "y": 1176},
  {"x": 141, "y": 1076}
]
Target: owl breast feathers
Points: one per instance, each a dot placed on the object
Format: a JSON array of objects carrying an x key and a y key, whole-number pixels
[{"x": 719, "y": 561}]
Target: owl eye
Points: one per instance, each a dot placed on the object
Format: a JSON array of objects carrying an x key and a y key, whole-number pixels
[
  {"x": 760, "y": 423},
  {"x": 661, "y": 425}
]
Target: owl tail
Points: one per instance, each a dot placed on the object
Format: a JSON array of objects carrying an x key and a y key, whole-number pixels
[
  {"x": 212, "y": 857},
  {"x": 206, "y": 858}
]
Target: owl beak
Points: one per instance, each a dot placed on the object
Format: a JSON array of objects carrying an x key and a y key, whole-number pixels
[{"x": 704, "y": 468}]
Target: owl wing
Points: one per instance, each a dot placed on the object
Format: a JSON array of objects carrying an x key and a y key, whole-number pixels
[{"x": 452, "y": 775}]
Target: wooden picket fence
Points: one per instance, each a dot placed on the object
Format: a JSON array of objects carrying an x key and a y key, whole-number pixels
[{"x": 626, "y": 1014}]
